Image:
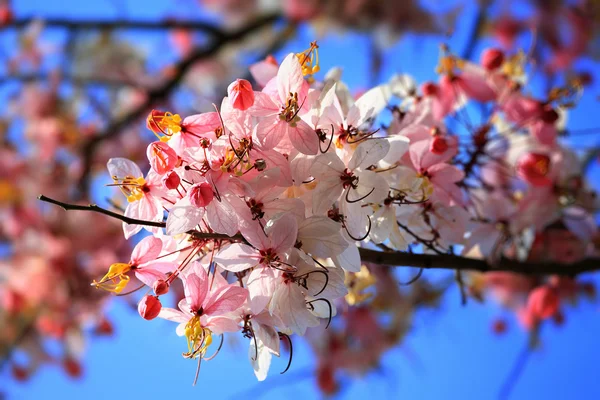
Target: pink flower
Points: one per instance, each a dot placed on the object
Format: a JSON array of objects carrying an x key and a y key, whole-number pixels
[
  {"x": 143, "y": 195},
  {"x": 280, "y": 110},
  {"x": 205, "y": 309}
]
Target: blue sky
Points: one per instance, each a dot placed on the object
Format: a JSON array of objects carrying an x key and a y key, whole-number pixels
[{"x": 449, "y": 353}]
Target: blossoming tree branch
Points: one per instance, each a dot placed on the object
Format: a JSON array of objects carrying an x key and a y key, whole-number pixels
[{"x": 280, "y": 208}]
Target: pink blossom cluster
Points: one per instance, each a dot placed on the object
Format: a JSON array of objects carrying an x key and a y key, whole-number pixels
[
  {"x": 270, "y": 198},
  {"x": 44, "y": 276}
]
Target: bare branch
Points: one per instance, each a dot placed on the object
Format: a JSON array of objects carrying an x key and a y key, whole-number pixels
[
  {"x": 95, "y": 208},
  {"x": 452, "y": 262},
  {"x": 160, "y": 93},
  {"x": 128, "y": 220},
  {"x": 101, "y": 24}
]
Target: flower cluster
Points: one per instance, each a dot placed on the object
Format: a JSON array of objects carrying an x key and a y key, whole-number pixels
[{"x": 270, "y": 198}]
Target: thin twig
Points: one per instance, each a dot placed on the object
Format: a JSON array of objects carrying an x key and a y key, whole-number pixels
[{"x": 95, "y": 208}]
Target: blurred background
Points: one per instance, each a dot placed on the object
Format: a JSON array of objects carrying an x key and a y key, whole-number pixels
[{"x": 77, "y": 80}]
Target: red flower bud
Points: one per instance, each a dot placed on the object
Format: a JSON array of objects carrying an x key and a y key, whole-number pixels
[
  {"x": 534, "y": 168},
  {"x": 241, "y": 95},
  {"x": 162, "y": 157},
  {"x": 429, "y": 89},
  {"x": 438, "y": 145},
  {"x": 201, "y": 195},
  {"x": 492, "y": 59},
  {"x": 19, "y": 373},
  {"x": 499, "y": 326},
  {"x": 72, "y": 367},
  {"x": 149, "y": 307},
  {"x": 104, "y": 327},
  {"x": 171, "y": 180},
  {"x": 543, "y": 302},
  {"x": 549, "y": 115},
  {"x": 6, "y": 15},
  {"x": 160, "y": 287}
]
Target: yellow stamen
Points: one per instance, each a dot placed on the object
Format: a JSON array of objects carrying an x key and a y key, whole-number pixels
[
  {"x": 116, "y": 279},
  {"x": 132, "y": 188},
  {"x": 198, "y": 338},
  {"x": 357, "y": 283},
  {"x": 309, "y": 59},
  {"x": 167, "y": 124}
]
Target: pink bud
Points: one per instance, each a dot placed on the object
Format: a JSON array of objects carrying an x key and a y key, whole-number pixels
[
  {"x": 543, "y": 302},
  {"x": 492, "y": 59},
  {"x": 241, "y": 95},
  {"x": 534, "y": 168},
  {"x": 171, "y": 180},
  {"x": 201, "y": 195},
  {"x": 162, "y": 157},
  {"x": 160, "y": 287},
  {"x": 149, "y": 307},
  {"x": 272, "y": 60},
  {"x": 438, "y": 145}
]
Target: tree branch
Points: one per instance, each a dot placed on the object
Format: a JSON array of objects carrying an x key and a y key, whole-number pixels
[
  {"x": 100, "y": 24},
  {"x": 75, "y": 79},
  {"x": 95, "y": 208},
  {"x": 452, "y": 262},
  {"x": 396, "y": 258},
  {"x": 162, "y": 92}
]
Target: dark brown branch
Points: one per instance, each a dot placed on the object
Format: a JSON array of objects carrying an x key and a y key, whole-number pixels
[
  {"x": 160, "y": 93},
  {"x": 75, "y": 79},
  {"x": 396, "y": 258},
  {"x": 452, "y": 262},
  {"x": 128, "y": 220},
  {"x": 95, "y": 208},
  {"x": 101, "y": 24}
]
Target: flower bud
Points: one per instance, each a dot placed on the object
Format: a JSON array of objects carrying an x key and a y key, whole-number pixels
[
  {"x": 543, "y": 302},
  {"x": 549, "y": 115},
  {"x": 19, "y": 373},
  {"x": 499, "y": 326},
  {"x": 534, "y": 168},
  {"x": 162, "y": 157},
  {"x": 72, "y": 367},
  {"x": 438, "y": 145},
  {"x": 271, "y": 60},
  {"x": 492, "y": 59},
  {"x": 149, "y": 307},
  {"x": 429, "y": 89},
  {"x": 171, "y": 180},
  {"x": 104, "y": 327},
  {"x": 241, "y": 95},
  {"x": 160, "y": 287},
  {"x": 201, "y": 195}
]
